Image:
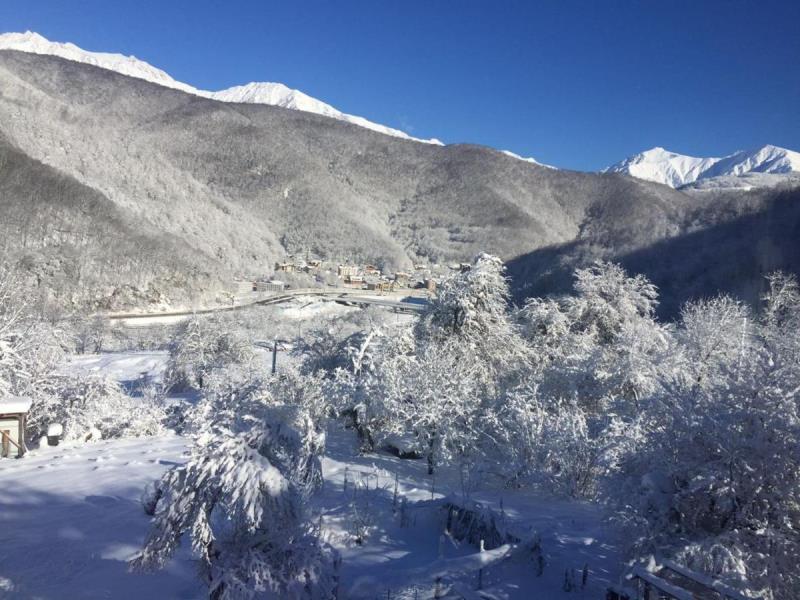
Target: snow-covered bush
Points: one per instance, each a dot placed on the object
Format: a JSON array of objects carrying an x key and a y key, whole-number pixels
[
  {"x": 435, "y": 395},
  {"x": 91, "y": 407},
  {"x": 327, "y": 345},
  {"x": 242, "y": 497},
  {"x": 609, "y": 346},
  {"x": 30, "y": 349},
  {"x": 547, "y": 444},
  {"x": 85, "y": 407},
  {"x": 322, "y": 349},
  {"x": 90, "y": 332},
  {"x": 200, "y": 346},
  {"x": 715, "y": 481}
]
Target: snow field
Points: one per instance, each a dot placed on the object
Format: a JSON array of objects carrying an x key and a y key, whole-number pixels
[{"x": 71, "y": 518}]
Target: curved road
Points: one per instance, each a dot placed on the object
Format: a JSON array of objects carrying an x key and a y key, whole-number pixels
[{"x": 352, "y": 297}]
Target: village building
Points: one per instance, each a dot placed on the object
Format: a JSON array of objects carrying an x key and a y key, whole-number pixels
[
  {"x": 346, "y": 270},
  {"x": 313, "y": 263},
  {"x": 270, "y": 286},
  {"x": 242, "y": 287},
  {"x": 13, "y": 411},
  {"x": 285, "y": 267},
  {"x": 401, "y": 278},
  {"x": 354, "y": 279},
  {"x": 371, "y": 270},
  {"x": 380, "y": 285}
]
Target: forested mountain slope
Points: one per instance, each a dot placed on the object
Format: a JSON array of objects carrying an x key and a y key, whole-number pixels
[
  {"x": 229, "y": 188},
  {"x": 75, "y": 244},
  {"x": 729, "y": 241}
]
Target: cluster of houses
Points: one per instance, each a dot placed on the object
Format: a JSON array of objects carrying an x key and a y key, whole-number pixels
[
  {"x": 301, "y": 266},
  {"x": 352, "y": 275},
  {"x": 370, "y": 277}
]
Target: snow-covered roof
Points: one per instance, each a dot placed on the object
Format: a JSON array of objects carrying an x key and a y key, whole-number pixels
[{"x": 14, "y": 404}]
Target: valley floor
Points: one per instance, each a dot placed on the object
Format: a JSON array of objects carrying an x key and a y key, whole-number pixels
[{"x": 70, "y": 517}]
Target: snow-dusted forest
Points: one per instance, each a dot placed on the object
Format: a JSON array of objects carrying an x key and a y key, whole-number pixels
[{"x": 479, "y": 448}]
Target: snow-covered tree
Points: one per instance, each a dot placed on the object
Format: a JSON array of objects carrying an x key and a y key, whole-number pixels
[
  {"x": 30, "y": 349},
  {"x": 435, "y": 395},
  {"x": 201, "y": 346},
  {"x": 89, "y": 407},
  {"x": 607, "y": 298},
  {"x": 715, "y": 482},
  {"x": 601, "y": 348},
  {"x": 89, "y": 332},
  {"x": 470, "y": 315},
  {"x": 355, "y": 389},
  {"x": 438, "y": 380},
  {"x": 242, "y": 497},
  {"x": 713, "y": 335},
  {"x": 626, "y": 344}
]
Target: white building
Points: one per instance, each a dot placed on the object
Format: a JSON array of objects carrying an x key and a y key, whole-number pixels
[
  {"x": 270, "y": 286},
  {"x": 242, "y": 287}
]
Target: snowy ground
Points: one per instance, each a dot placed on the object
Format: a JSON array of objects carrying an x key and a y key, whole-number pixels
[
  {"x": 572, "y": 533},
  {"x": 70, "y": 517},
  {"x": 129, "y": 368},
  {"x": 299, "y": 308},
  {"x": 303, "y": 308},
  {"x": 121, "y": 366}
]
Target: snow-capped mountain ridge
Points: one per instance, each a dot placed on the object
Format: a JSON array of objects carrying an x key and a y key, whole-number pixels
[
  {"x": 675, "y": 170},
  {"x": 767, "y": 159},
  {"x": 126, "y": 65},
  {"x": 275, "y": 94},
  {"x": 657, "y": 164},
  {"x": 526, "y": 159}
]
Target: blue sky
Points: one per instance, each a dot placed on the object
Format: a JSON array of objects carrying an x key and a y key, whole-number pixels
[{"x": 576, "y": 84}]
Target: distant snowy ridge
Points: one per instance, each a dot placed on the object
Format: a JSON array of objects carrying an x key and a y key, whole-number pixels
[
  {"x": 275, "y": 94},
  {"x": 126, "y": 65},
  {"x": 527, "y": 159},
  {"x": 676, "y": 170}
]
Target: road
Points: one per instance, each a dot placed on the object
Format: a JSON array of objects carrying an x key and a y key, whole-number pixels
[{"x": 392, "y": 302}]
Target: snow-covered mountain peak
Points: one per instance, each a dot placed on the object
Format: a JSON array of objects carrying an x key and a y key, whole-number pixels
[
  {"x": 663, "y": 166},
  {"x": 275, "y": 94},
  {"x": 675, "y": 170},
  {"x": 131, "y": 66},
  {"x": 767, "y": 159}
]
